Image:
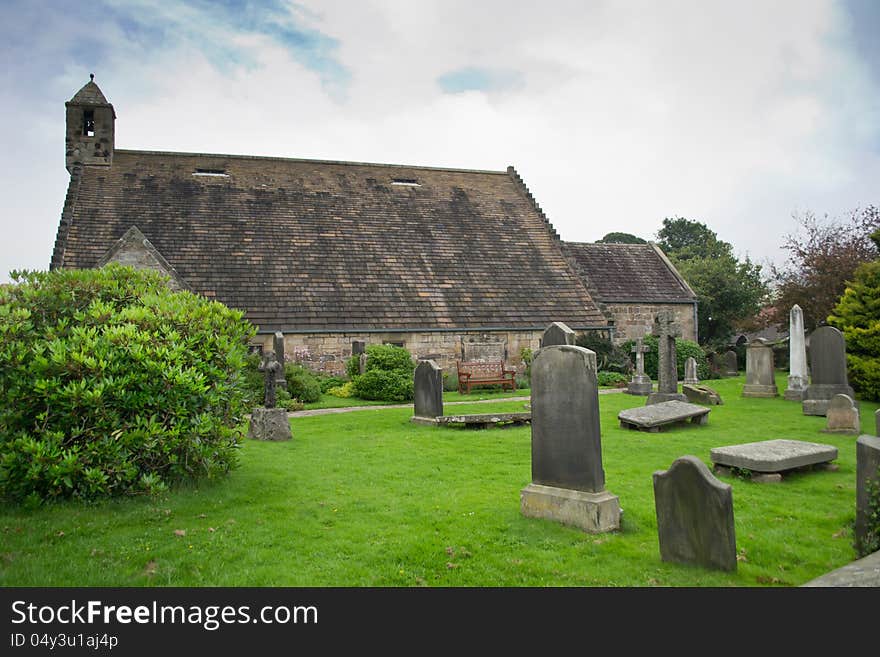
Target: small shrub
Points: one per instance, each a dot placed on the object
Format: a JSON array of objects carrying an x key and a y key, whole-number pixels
[
  {"x": 302, "y": 383},
  {"x": 384, "y": 386},
  {"x": 613, "y": 379},
  {"x": 609, "y": 357},
  {"x": 328, "y": 382},
  {"x": 344, "y": 391}
]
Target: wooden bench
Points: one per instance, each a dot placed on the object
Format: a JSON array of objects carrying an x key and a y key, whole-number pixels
[{"x": 478, "y": 373}]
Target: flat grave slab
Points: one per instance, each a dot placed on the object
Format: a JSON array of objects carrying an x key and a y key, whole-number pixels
[
  {"x": 773, "y": 457},
  {"x": 477, "y": 420},
  {"x": 656, "y": 416}
]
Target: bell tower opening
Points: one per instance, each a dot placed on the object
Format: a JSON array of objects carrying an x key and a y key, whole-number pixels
[{"x": 90, "y": 128}]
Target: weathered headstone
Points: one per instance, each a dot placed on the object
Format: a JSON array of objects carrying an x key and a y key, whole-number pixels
[
  {"x": 358, "y": 347},
  {"x": 428, "y": 389},
  {"x": 557, "y": 333},
  {"x": 568, "y": 481},
  {"x": 641, "y": 383},
  {"x": 827, "y": 370},
  {"x": 690, "y": 371},
  {"x": 714, "y": 365},
  {"x": 760, "y": 375},
  {"x": 867, "y": 470},
  {"x": 666, "y": 329},
  {"x": 731, "y": 363},
  {"x": 797, "y": 355},
  {"x": 843, "y": 416},
  {"x": 694, "y": 516},
  {"x": 268, "y": 422},
  {"x": 278, "y": 345}
]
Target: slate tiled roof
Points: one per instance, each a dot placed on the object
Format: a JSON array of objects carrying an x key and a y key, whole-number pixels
[
  {"x": 628, "y": 272},
  {"x": 90, "y": 94},
  {"x": 306, "y": 245}
]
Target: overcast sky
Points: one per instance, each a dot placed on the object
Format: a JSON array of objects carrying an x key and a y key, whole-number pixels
[{"x": 616, "y": 113}]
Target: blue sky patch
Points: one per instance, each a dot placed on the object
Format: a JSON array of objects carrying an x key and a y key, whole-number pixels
[{"x": 479, "y": 79}]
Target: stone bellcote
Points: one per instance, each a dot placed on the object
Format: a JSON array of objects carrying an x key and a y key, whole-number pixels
[{"x": 91, "y": 121}]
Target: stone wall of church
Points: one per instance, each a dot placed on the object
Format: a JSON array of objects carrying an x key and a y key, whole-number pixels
[
  {"x": 635, "y": 320},
  {"x": 328, "y": 352}
]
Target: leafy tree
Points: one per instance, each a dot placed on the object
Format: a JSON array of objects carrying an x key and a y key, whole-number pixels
[
  {"x": 823, "y": 256},
  {"x": 683, "y": 239},
  {"x": 728, "y": 290},
  {"x": 858, "y": 316},
  {"x": 621, "y": 238},
  {"x": 113, "y": 384}
]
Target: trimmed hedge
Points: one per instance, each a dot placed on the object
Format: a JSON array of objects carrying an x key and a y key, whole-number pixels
[{"x": 111, "y": 384}]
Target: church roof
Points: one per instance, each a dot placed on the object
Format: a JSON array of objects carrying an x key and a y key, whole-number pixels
[
  {"x": 90, "y": 94},
  {"x": 628, "y": 273},
  {"x": 308, "y": 245}
]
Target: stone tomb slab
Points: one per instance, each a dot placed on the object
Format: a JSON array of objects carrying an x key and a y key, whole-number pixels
[
  {"x": 656, "y": 416},
  {"x": 477, "y": 420},
  {"x": 773, "y": 457}
]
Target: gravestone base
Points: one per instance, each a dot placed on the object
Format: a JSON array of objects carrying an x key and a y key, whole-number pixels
[
  {"x": 759, "y": 390},
  {"x": 476, "y": 420},
  {"x": 269, "y": 424},
  {"x": 637, "y": 387},
  {"x": 595, "y": 513},
  {"x": 794, "y": 394},
  {"x": 815, "y": 406},
  {"x": 777, "y": 457},
  {"x": 660, "y": 397},
  {"x": 817, "y": 397}
]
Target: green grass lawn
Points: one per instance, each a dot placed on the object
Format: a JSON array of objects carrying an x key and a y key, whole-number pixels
[{"x": 370, "y": 499}]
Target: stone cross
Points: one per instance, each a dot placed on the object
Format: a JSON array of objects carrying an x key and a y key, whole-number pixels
[
  {"x": 271, "y": 367},
  {"x": 694, "y": 516},
  {"x": 568, "y": 481},
  {"x": 278, "y": 345},
  {"x": 797, "y": 355},
  {"x": 362, "y": 363},
  {"x": 557, "y": 333},
  {"x": 641, "y": 383},
  {"x": 666, "y": 329}
]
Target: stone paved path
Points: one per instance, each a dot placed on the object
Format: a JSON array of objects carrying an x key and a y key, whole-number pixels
[{"x": 347, "y": 409}]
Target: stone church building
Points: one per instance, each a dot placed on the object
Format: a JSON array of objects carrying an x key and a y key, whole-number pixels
[{"x": 449, "y": 263}]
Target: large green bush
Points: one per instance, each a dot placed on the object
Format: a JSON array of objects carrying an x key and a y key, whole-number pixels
[
  {"x": 111, "y": 383},
  {"x": 388, "y": 375},
  {"x": 302, "y": 383},
  {"x": 609, "y": 357},
  {"x": 683, "y": 350},
  {"x": 857, "y": 315}
]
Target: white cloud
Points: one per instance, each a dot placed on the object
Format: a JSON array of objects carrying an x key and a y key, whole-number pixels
[{"x": 734, "y": 114}]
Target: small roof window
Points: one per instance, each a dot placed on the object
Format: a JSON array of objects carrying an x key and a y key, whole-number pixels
[
  {"x": 211, "y": 172},
  {"x": 406, "y": 182}
]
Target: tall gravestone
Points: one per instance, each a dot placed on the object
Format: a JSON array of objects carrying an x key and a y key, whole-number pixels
[
  {"x": 666, "y": 329},
  {"x": 428, "y": 390},
  {"x": 797, "y": 355},
  {"x": 568, "y": 481},
  {"x": 278, "y": 345},
  {"x": 694, "y": 516},
  {"x": 760, "y": 373},
  {"x": 641, "y": 383},
  {"x": 557, "y": 333},
  {"x": 358, "y": 347},
  {"x": 867, "y": 464},
  {"x": 827, "y": 370},
  {"x": 690, "y": 371}
]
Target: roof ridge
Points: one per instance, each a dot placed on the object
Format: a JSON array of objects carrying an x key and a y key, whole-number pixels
[{"x": 310, "y": 160}]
